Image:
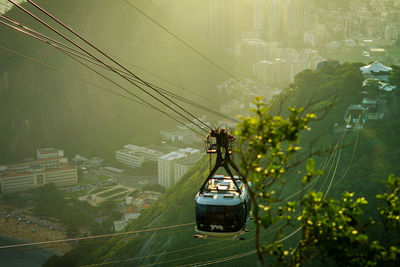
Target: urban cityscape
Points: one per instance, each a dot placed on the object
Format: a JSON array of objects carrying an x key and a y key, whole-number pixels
[{"x": 127, "y": 126}]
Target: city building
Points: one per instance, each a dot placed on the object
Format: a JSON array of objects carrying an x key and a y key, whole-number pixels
[
  {"x": 182, "y": 134},
  {"x": 45, "y": 153},
  {"x": 134, "y": 156},
  {"x": 374, "y": 69},
  {"x": 258, "y": 14},
  {"x": 392, "y": 32},
  {"x": 263, "y": 71},
  {"x": 172, "y": 166},
  {"x": 31, "y": 173},
  {"x": 220, "y": 23},
  {"x": 274, "y": 18}
]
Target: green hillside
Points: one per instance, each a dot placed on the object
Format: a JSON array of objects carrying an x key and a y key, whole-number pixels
[{"x": 367, "y": 157}]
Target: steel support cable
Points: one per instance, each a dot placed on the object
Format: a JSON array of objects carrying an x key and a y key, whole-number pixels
[
  {"x": 175, "y": 259},
  {"x": 195, "y": 255},
  {"x": 128, "y": 91},
  {"x": 185, "y": 43},
  {"x": 121, "y": 71},
  {"x": 84, "y": 55},
  {"x": 123, "y": 88},
  {"x": 108, "y": 57},
  {"x": 337, "y": 164},
  {"x": 138, "y": 258},
  {"x": 79, "y": 78},
  {"x": 126, "y": 238},
  {"x": 154, "y": 255},
  {"x": 241, "y": 255},
  {"x": 205, "y": 263},
  {"x": 331, "y": 167},
  {"x": 324, "y": 164},
  {"x": 235, "y": 256},
  {"x": 199, "y": 254},
  {"x": 352, "y": 157},
  {"x": 53, "y": 29},
  {"x": 32, "y": 31},
  {"x": 146, "y": 103},
  {"x": 91, "y": 60},
  {"x": 248, "y": 253},
  {"x": 95, "y": 236},
  {"x": 173, "y": 83},
  {"x": 5, "y": 5},
  {"x": 68, "y": 74}
]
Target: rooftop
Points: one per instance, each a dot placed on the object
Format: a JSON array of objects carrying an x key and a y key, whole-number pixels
[
  {"x": 47, "y": 150},
  {"x": 375, "y": 67}
]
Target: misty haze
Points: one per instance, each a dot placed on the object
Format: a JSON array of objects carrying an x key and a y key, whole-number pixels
[{"x": 199, "y": 132}]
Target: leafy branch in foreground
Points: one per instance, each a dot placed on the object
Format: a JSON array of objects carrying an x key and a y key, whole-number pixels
[
  {"x": 267, "y": 144},
  {"x": 329, "y": 231}
]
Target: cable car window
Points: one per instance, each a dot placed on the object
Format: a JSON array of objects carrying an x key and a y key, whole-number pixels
[{"x": 220, "y": 218}]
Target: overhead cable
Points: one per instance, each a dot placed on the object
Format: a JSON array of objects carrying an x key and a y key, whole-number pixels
[
  {"x": 108, "y": 79},
  {"x": 184, "y": 42},
  {"x": 111, "y": 59}
]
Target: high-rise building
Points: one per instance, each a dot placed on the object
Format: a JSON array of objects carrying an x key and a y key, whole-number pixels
[
  {"x": 291, "y": 19},
  {"x": 258, "y": 14},
  {"x": 263, "y": 71},
  {"x": 220, "y": 23},
  {"x": 172, "y": 166},
  {"x": 274, "y": 18},
  {"x": 134, "y": 156},
  {"x": 392, "y": 32}
]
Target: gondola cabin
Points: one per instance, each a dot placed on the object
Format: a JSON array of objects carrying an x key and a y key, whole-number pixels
[{"x": 220, "y": 209}]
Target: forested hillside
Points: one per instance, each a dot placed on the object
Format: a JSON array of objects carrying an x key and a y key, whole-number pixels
[{"x": 366, "y": 157}]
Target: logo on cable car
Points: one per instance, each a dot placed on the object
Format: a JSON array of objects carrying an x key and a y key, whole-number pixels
[{"x": 216, "y": 227}]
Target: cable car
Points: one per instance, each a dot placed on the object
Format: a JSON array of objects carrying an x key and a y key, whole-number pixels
[
  {"x": 220, "y": 209},
  {"x": 222, "y": 203}
]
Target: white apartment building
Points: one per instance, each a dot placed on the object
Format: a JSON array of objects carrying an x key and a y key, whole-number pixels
[
  {"x": 172, "y": 166},
  {"x": 45, "y": 153},
  {"x": 134, "y": 156},
  {"x": 186, "y": 136},
  {"x": 50, "y": 167},
  {"x": 20, "y": 180}
]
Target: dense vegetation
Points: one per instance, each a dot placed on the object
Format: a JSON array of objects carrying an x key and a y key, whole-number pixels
[{"x": 331, "y": 88}]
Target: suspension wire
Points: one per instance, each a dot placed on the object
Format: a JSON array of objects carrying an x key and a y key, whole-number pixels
[
  {"x": 324, "y": 165},
  {"x": 183, "y": 42},
  {"x": 81, "y": 79},
  {"x": 111, "y": 81},
  {"x": 172, "y": 83},
  {"x": 69, "y": 74},
  {"x": 331, "y": 167},
  {"x": 96, "y": 241},
  {"x": 154, "y": 255},
  {"x": 95, "y": 236},
  {"x": 121, "y": 71},
  {"x": 5, "y": 5},
  {"x": 213, "y": 261},
  {"x": 91, "y": 60},
  {"x": 251, "y": 252},
  {"x": 334, "y": 174},
  {"x": 352, "y": 157},
  {"x": 5, "y": 17},
  {"x": 225, "y": 248},
  {"x": 108, "y": 57}
]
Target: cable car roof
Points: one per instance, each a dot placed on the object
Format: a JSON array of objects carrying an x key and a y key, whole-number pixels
[{"x": 221, "y": 191}]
